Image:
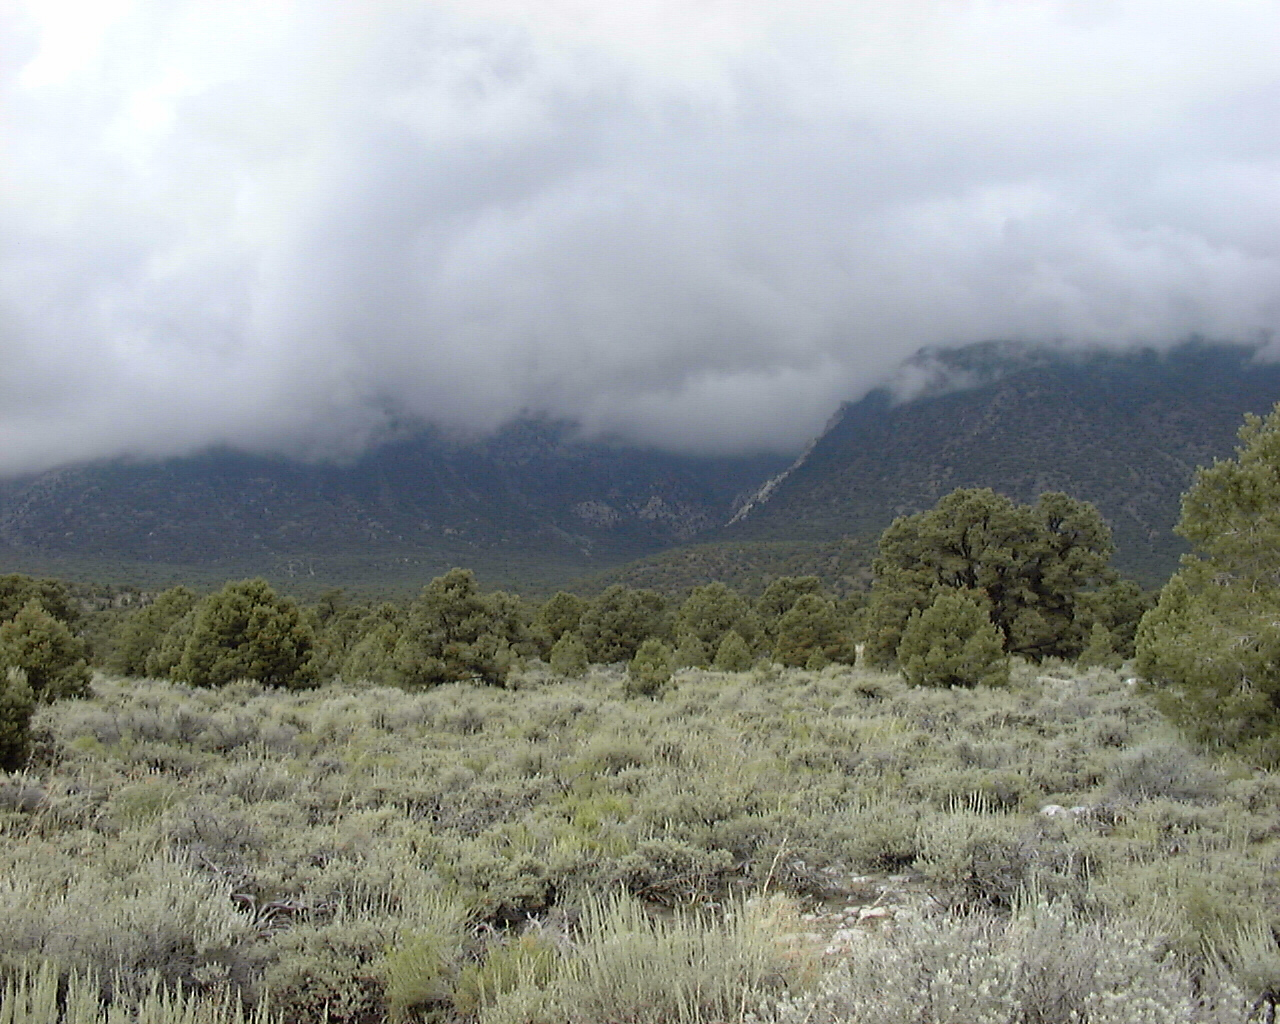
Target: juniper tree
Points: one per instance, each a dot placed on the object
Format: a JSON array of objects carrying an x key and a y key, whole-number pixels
[
  {"x": 52, "y": 658},
  {"x": 779, "y": 597},
  {"x": 17, "y": 704},
  {"x": 1031, "y": 563},
  {"x": 711, "y": 611},
  {"x": 1211, "y": 646},
  {"x": 953, "y": 642},
  {"x": 733, "y": 655},
  {"x": 649, "y": 670},
  {"x": 246, "y": 631},
  {"x": 617, "y": 622},
  {"x": 812, "y": 635},
  {"x": 17, "y": 590},
  {"x": 143, "y": 632},
  {"x": 558, "y": 615},
  {"x": 569, "y": 656},
  {"x": 454, "y": 633}
]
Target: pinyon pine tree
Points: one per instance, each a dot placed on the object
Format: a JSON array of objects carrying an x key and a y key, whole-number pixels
[
  {"x": 952, "y": 642},
  {"x": 47, "y": 652},
  {"x": 246, "y": 631},
  {"x": 1211, "y": 646}
]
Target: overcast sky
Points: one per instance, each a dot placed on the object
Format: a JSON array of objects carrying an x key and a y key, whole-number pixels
[{"x": 694, "y": 223}]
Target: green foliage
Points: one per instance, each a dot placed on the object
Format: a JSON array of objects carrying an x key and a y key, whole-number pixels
[
  {"x": 1101, "y": 649},
  {"x": 1118, "y": 607},
  {"x": 1211, "y": 646},
  {"x": 569, "y": 656},
  {"x": 46, "y": 651},
  {"x": 17, "y": 703},
  {"x": 454, "y": 633},
  {"x": 370, "y": 654},
  {"x": 812, "y": 634},
  {"x": 1032, "y": 563},
  {"x": 650, "y": 669},
  {"x": 246, "y": 631},
  {"x": 711, "y": 611},
  {"x": 558, "y": 615},
  {"x": 733, "y": 654},
  {"x": 691, "y": 652},
  {"x": 618, "y": 621},
  {"x": 779, "y": 597},
  {"x": 142, "y": 634},
  {"x": 17, "y": 591},
  {"x": 952, "y": 642}
]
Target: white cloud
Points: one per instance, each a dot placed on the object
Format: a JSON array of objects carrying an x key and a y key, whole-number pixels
[{"x": 695, "y": 223}]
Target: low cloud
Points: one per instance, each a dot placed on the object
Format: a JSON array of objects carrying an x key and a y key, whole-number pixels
[{"x": 697, "y": 224}]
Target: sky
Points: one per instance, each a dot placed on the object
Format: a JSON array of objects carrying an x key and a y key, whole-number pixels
[{"x": 697, "y": 224}]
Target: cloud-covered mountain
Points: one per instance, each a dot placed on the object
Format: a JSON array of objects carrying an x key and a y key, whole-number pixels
[
  {"x": 1124, "y": 432},
  {"x": 701, "y": 226}
]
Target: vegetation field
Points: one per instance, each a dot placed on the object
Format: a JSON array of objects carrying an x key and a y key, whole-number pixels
[{"x": 771, "y": 845}]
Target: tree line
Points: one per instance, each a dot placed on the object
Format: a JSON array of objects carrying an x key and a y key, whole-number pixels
[{"x": 956, "y": 591}]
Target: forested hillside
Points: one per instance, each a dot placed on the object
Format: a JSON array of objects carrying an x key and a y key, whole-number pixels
[{"x": 1123, "y": 432}]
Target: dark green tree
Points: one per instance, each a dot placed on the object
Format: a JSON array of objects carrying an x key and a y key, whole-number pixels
[
  {"x": 779, "y": 597},
  {"x": 1118, "y": 608},
  {"x": 733, "y": 654},
  {"x": 617, "y": 622},
  {"x": 649, "y": 670},
  {"x": 558, "y": 615},
  {"x": 1031, "y": 563},
  {"x": 569, "y": 656},
  {"x": 17, "y": 704},
  {"x": 454, "y": 633},
  {"x": 17, "y": 591},
  {"x": 711, "y": 611},
  {"x": 953, "y": 642},
  {"x": 370, "y": 655},
  {"x": 1211, "y": 646},
  {"x": 247, "y": 631},
  {"x": 142, "y": 633},
  {"x": 812, "y": 635},
  {"x": 47, "y": 652}
]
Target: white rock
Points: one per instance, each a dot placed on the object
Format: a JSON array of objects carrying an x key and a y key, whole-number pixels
[
  {"x": 1054, "y": 811},
  {"x": 874, "y": 913}
]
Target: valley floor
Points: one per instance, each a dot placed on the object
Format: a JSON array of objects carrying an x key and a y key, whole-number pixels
[{"x": 772, "y": 845}]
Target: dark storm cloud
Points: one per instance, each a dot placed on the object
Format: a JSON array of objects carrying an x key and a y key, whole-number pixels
[{"x": 698, "y": 224}]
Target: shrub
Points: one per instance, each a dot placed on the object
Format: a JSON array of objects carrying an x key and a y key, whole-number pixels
[
  {"x": 952, "y": 642},
  {"x": 1033, "y": 563},
  {"x": 1045, "y": 964},
  {"x": 43, "y": 647},
  {"x": 650, "y": 669},
  {"x": 17, "y": 703},
  {"x": 569, "y": 656},
  {"x": 245, "y": 631},
  {"x": 631, "y": 966},
  {"x": 618, "y": 621},
  {"x": 1211, "y": 646},
  {"x": 733, "y": 655},
  {"x": 811, "y": 635}
]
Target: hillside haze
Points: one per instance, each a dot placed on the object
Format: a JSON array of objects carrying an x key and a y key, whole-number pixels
[
  {"x": 528, "y": 506},
  {"x": 535, "y": 507},
  {"x": 1125, "y": 432}
]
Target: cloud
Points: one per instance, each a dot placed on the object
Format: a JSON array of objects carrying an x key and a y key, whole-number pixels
[{"x": 697, "y": 224}]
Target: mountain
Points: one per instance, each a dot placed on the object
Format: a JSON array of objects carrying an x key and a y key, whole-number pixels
[
  {"x": 530, "y": 506},
  {"x": 534, "y": 507},
  {"x": 1125, "y": 432}
]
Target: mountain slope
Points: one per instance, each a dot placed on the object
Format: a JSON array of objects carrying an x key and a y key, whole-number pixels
[
  {"x": 528, "y": 505},
  {"x": 1125, "y": 432}
]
